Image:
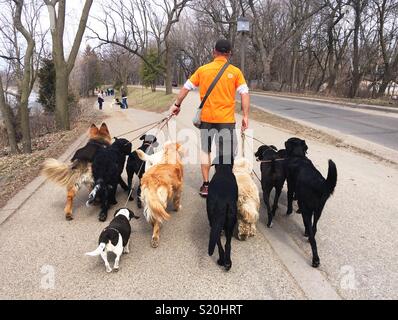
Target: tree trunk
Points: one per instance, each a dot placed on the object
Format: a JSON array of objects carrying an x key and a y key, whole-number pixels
[
  {"x": 168, "y": 69},
  {"x": 355, "y": 59},
  {"x": 25, "y": 126},
  {"x": 61, "y": 99},
  {"x": 8, "y": 117},
  {"x": 266, "y": 79}
]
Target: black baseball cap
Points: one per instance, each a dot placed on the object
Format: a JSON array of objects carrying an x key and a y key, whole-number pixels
[{"x": 223, "y": 46}]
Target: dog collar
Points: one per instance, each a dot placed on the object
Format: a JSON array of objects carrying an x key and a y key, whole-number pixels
[{"x": 110, "y": 228}]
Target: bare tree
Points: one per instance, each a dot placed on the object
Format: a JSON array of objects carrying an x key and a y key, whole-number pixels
[
  {"x": 8, "y": 117},
  {"x": 63, "y": 66},
  {"x": 133, "y": 24},
  {"x": 387, "y": 11}
]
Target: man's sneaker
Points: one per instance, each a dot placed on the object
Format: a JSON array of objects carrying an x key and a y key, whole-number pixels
[{"x": 204, "y": 190}]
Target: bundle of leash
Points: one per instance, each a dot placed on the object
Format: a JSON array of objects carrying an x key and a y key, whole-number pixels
[{"x": 233, "y": 201}]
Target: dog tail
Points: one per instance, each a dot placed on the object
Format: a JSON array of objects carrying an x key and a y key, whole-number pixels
[
  {"x": 154, "y": 203},
  {"x": 331, "y": 179},
  {"x": 57, "y": 172},
  {"x": 97, "y": 251}
]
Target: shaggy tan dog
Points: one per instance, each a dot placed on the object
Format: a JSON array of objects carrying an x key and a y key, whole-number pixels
[
  {"x": 248, "y": 199},
  {"x": 160, "y": 184}
]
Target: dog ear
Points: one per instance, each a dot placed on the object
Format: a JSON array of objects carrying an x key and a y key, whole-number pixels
[
  {"x": 304, "y": 145},
  {"x": 273, "y": 147},
  {"x": 116, "y": 212},
  {"x": 93, "y": 131},
  {"x": 104, "y": 129},
  {"x": 132, "y": 215},
  {"x": 143, "y": 137}
]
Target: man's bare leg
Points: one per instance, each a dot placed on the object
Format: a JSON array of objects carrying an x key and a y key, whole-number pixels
[{"x": 205, "y": 167}]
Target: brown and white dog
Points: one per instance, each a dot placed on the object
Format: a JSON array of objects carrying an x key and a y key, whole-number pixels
[
  {"x": 160, "y": 184},
  {"x": 248, "y": 199},
  {"x": 78, "y": 172}
]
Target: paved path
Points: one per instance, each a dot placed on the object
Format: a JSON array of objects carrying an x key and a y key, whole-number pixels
[
  {"x": 357, "y": 240},
  {"x": 381, "y": 128}
]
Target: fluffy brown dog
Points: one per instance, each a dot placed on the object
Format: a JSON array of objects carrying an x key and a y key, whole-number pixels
[
  {"x": 73, "y": 175},
  {"x": 248, "y": 199},
  {"x": 159, "y": 185}
]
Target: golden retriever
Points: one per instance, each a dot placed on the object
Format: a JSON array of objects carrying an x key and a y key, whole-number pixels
[
  {"x": 248, "y": 199},
  {"x": 160, "y": 184}
]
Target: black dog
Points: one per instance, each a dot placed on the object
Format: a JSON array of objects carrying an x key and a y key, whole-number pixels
[
  {"x": 310, "y": 188},
  {"x": 137, "y": 166},
  {"x": 107, "y": 167},
  {"x": 222, "y": 211},
  {"x": 272, "y": 175},
  {"x": 295, "y": 149}
]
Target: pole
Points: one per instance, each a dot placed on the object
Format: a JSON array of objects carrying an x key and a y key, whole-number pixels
[{"x": 242, "y": 53}]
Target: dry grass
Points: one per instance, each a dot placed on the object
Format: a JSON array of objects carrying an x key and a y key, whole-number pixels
[
  {"x": 17, "y": 171},
  {"x": 145, "y": 99}
]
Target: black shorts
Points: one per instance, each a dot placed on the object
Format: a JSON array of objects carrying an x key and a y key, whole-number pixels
[{"x": 224, "y": 135}]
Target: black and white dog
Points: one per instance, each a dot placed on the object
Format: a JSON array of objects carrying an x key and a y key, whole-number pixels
[
  {"x": 222, "y": 211},
  {"x": 115, "y": 238},
  {"x": 137, "y": 166},
  {"x": 107, "y": 168}
]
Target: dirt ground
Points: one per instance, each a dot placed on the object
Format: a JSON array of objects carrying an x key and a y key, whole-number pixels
[{"x": 18, "y": 170}]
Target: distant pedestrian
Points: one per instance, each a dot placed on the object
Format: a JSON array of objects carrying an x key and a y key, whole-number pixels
[
  {"x": 118, "y": 103},
  {"x": 124, "y": 98},
  {"x": 100, "y": 99}
]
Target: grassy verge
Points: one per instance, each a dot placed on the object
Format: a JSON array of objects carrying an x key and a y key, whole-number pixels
[
  {"x": 145, "y": 99},
  {"x": 16, "y": 171}
]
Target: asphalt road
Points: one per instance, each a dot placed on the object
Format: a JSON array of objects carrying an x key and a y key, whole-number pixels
[{"x": 380, "y": 129}]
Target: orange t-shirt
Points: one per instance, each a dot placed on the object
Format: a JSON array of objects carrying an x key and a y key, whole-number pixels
[{"x": 220, "y": 105}]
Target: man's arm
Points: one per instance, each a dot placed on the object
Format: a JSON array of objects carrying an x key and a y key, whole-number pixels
[
  {"x": 174, "y": 109},
  {"x": 245, "y": 101}
]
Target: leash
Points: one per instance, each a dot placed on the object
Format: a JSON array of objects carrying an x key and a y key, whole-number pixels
[
  {"x": 143, "y": 127},
  {"x": 243, "y": 136},
  {"x": 255, "y": 139},
  {"x": 161, "y": 126},
  {"x": 256, "y": 175},
  {"x": 267, "y": 161}
]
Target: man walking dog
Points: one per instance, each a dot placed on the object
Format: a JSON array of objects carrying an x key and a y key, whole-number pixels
[{"x": 218, "y": 83}]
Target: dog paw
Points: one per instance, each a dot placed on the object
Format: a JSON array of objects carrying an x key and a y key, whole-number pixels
[
  {"x": 113, "y": 202},
  {"x": 126, "y": 251},
  {"x": 270, "y": 224},
  {"x": 131, "y": 199},
  {"x": 116, "y": 269},
  {"x": 242, "y": 237},
  {"x": 69, "y": 217},
  {"x": 109, "y": 270},
  {"x": 228, "y": 265},
  {"x": 154, "y": 243},
  {"x": 315, "y": 263},
  {"x": 220, "y": 262},
  {"x": 102, "y": 217},
  {"x": 178, "y": 208}
]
